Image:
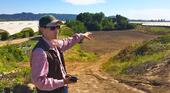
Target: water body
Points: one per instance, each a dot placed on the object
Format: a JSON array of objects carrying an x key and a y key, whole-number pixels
[{"x": 153, "y": 23}]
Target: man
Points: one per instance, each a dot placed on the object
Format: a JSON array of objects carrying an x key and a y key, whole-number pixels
[{"x": 47, "y": 62}]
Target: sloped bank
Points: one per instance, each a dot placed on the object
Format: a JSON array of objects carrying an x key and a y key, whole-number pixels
[{"x": 144, "y": 66}]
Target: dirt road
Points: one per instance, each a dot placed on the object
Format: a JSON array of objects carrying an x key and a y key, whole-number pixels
[
  {"x": 91, "y": 77},
  {"x": 93, "y": 80},
  {"x": 16, "y": 41}
]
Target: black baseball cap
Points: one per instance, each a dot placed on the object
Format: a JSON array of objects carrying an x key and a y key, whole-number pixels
[{"x": 49, "y": 20}]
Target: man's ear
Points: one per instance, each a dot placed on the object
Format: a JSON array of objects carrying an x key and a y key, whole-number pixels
[{"x": 41, "y": 30}]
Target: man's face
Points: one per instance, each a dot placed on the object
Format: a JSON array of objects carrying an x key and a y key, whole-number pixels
[{"x": 50, "y": 32}]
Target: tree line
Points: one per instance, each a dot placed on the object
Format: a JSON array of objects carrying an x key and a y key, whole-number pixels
[{"x": 99, "y": 22}]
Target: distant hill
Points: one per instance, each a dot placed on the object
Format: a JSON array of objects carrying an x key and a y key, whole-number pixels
[{"x": 32, "y": 16}]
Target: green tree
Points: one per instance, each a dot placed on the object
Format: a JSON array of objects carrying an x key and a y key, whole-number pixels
[
  {"x": 94, "y": 27},
  {"x": 98, "y": 17},
  {"x": 121, "y": 22},
  {"x": 108, "y": 24},
  {"x": 77, "y": 26},
  {"x": 98, "y": 21},
  {"x": 84, "y": 17},
  {"x": 91, "y": 21}
]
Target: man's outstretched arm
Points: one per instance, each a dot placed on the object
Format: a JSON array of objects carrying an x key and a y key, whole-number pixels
[{"x": 76, "y": 38}]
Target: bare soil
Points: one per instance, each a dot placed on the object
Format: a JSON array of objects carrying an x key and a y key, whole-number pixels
[{"x": 155, "y": 79}]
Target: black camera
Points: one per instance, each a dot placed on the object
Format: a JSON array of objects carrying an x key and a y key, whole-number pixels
[{"x": 73, "y": 79}]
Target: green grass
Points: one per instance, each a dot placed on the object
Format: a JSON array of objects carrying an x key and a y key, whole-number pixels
[
  {"x": 136, "y": 55},
  {"x": 158, "y": 30},
  {"x": 154, "y": 30},
  {"x": 117, "y": 67},
  {"x": 77, "y": 54},
  {"x": 12, "y": 59},
  {"x": 12, "y": 54}
]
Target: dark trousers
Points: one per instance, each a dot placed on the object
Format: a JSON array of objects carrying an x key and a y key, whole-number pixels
[{"x": 58, "y": 90}]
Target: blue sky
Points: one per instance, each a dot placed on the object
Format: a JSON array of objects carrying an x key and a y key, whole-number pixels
[{"x": 133, "y": 9}]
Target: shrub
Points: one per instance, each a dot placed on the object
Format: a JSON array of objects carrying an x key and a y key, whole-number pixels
[
  {"x": 133, "y": 25},
  {"x": 154, "y": 30},
  {"x": 15, "y": 36},
  {"x": 94, "y": 27},
  {"x": 77, "y": 26},
  {"x": 37, "y": 33},
  {"x": 27, "y": 32},
  {"x": 66, "y": 31},
  {"x": 4, "y": 35},
  {"x": 11, "y": 53}
]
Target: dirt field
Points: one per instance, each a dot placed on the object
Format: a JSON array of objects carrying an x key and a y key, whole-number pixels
[
  {"x": 91, "y": 78},
  {"x": 106, "y": 42}
]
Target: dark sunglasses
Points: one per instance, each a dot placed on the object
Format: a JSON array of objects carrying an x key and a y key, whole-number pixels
[{"x": 52, "y": 27}]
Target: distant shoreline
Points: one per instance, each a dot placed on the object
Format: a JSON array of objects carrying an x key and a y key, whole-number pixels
[{"x": 150, "y": 23}]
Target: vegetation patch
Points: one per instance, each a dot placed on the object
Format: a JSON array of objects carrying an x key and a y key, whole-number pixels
[
  {"x": 77, "y": 54},
  {"x": 13, "y": 68},
  {"x": 3, "y": 35},
  {"x": 153, "y": 30},
  {"x": 26, "y": 32},
  {"x": 136, "y": 58}
]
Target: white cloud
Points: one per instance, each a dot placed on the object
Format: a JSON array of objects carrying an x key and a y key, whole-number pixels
[{"x": 84, "y": 2}]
